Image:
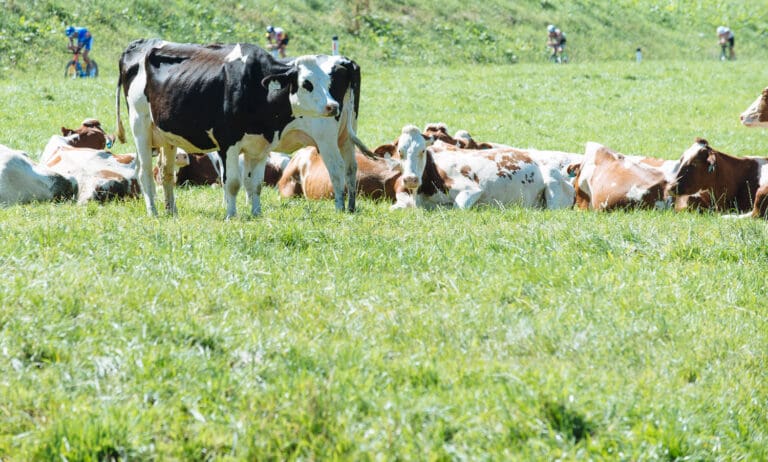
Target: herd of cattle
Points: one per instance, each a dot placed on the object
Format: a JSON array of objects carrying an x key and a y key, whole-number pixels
[{"x": 238, "y": 109}]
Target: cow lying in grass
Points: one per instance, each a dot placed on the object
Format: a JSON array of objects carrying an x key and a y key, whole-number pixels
[
  {"x": 608, "y": 180},
  {"x": 23, "y": 181},
  {"x": 722, "y": 182},
  {"x": 100, "y": 175},
  {"x": 464, "y": 178}
]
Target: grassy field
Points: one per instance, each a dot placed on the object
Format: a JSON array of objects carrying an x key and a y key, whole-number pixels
[{"x": 482, "y": 334}]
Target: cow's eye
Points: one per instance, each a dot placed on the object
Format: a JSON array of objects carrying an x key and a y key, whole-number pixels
[{"x": 307, "y": 85}]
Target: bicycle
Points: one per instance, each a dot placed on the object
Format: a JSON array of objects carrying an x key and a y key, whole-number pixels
[
  {"x": 74, "y": 69},
  {"x": 557, "y": 57}
]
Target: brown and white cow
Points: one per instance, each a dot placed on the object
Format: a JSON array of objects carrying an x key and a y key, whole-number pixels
[
  {"x": 89, "y": 134},
  {"x": 756, "y": 114},
  {"x": 464, "y": 178},
  {"x": 307, "y": 175},
  {"x": 609, "y": 180},
  {"x": 725, "y": 182},
  {"x": 23, "y": 181},
  {"x": 100, "y": 175}
]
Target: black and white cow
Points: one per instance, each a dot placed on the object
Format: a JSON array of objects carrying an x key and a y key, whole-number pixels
[{"x": 234, "y": 99}]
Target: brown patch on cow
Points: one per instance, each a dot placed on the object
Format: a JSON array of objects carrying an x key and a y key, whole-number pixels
[
  {"x": 384, "y": 149},
  {"x": 467, "y": 172},
  {"x": 54, "y": 160},
  {"x": 762, "y": 108},
  {"x": 652, "y": 161},
  {"x": 110, "y": 175},
  {"x": 124, "y": 159},
  {"x": 508, "y": 163}
]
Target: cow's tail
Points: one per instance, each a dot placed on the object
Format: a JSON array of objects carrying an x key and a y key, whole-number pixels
[
  {"x": 352, "y": 130},
  {"x": 363, "y": 148},
  {"x": 120, "y": 130}
]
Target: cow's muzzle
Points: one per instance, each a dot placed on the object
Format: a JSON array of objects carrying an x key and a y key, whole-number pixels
[
  {"x": 411, "y": 182},
  {"x": 332, "y": 109}
]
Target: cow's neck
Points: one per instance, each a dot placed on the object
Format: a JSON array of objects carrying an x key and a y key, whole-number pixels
[
  {"x": 434, "y": 179},
  {"x": 740, "y": 181},
  {"x": 279, "y": 106}
]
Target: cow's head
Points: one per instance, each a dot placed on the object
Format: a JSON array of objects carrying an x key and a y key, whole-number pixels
[
  {"x": 696, "y": 170},
  {"x": 757, "y": 113},
  {"x": 309, "y": 88},
  {"x": 412, "y": 153},
  {"x": 88, "y": 135}
]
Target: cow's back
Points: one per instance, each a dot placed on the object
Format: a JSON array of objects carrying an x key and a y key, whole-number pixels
[{"x": 22, "y": 181}]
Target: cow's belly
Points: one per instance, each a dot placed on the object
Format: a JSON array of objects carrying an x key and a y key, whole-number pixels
[
  {"x": 522, "y": 189},
  {"x": 200, "y": 143},
  {"x": 519, "y": 183}
]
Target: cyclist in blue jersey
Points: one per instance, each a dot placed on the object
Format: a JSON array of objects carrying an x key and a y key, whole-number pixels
[{"x": 80, "y": 39}]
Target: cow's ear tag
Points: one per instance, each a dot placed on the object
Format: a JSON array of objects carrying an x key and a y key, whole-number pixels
[
  {"x": 711, "y": 168},
  {"x": 274, "y": 85}
]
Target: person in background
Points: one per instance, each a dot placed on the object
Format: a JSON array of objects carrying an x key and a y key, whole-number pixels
[
  {"x": 278, "y": 40},
  {"x": 80, "y": 39},
  {"x": 556, "y": 41},
  {"x": 726, "y": 39}
]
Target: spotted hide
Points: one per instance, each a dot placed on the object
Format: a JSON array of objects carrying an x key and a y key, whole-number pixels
[{"x": 233, "y": 99}]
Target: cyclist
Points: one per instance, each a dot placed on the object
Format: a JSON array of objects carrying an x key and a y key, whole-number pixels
[
  {"x": 556, "y": 41},
  {"x": 84, "y": 42},
  {"x": 726, "y": 38},
  {"x": 278, "y": 40}
]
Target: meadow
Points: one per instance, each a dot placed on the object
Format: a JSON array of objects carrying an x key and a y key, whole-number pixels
[{"x": 484, "y": 334}]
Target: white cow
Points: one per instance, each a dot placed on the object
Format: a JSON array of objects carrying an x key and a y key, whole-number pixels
[
  {"x": 23, "y": 181},
  {"x": 464, "y": 178}
]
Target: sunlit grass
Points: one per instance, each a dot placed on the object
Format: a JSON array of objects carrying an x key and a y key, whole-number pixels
[{"x": 479, "y": 334}]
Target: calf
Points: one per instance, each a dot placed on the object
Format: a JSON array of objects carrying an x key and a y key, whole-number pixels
[
  {"x": 306, "y": 175},
  {"x": 725, "y": 182},
  {"x": 100, "y": 175},
  {"x": 23, "y": 181},
  {"x": 756, "y": 115},
  {"x": 463, "y": 178},
  {"x": 608, "y": 180}
]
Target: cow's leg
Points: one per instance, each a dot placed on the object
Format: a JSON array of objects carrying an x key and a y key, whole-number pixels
[
  {"x": 142, "y": 135},
  {"x": 347, "y": 150},
  {"x": 231, "y": 176},
  {"x": 558, "y": 192},
  {"x": 333, "y": 161},
  {"x": 467, "y": 198},
  {"x": 253, "y": 179},
  {"x": 169, "y": 164}
]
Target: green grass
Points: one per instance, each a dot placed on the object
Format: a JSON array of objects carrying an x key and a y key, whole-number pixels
[{"x": 481, "y": 334}]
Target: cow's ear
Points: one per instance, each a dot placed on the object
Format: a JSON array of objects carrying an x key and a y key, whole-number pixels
[
  {"x": 66, "y": 131},
  {"x": 573, "y": 170},
  {"x": 711, "y": 161},
  {"x": 384, "y": 150},
  {"x": 288, "y": 79}
]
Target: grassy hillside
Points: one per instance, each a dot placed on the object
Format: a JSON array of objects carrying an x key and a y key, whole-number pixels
[{"x": 405, "y": 31}]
